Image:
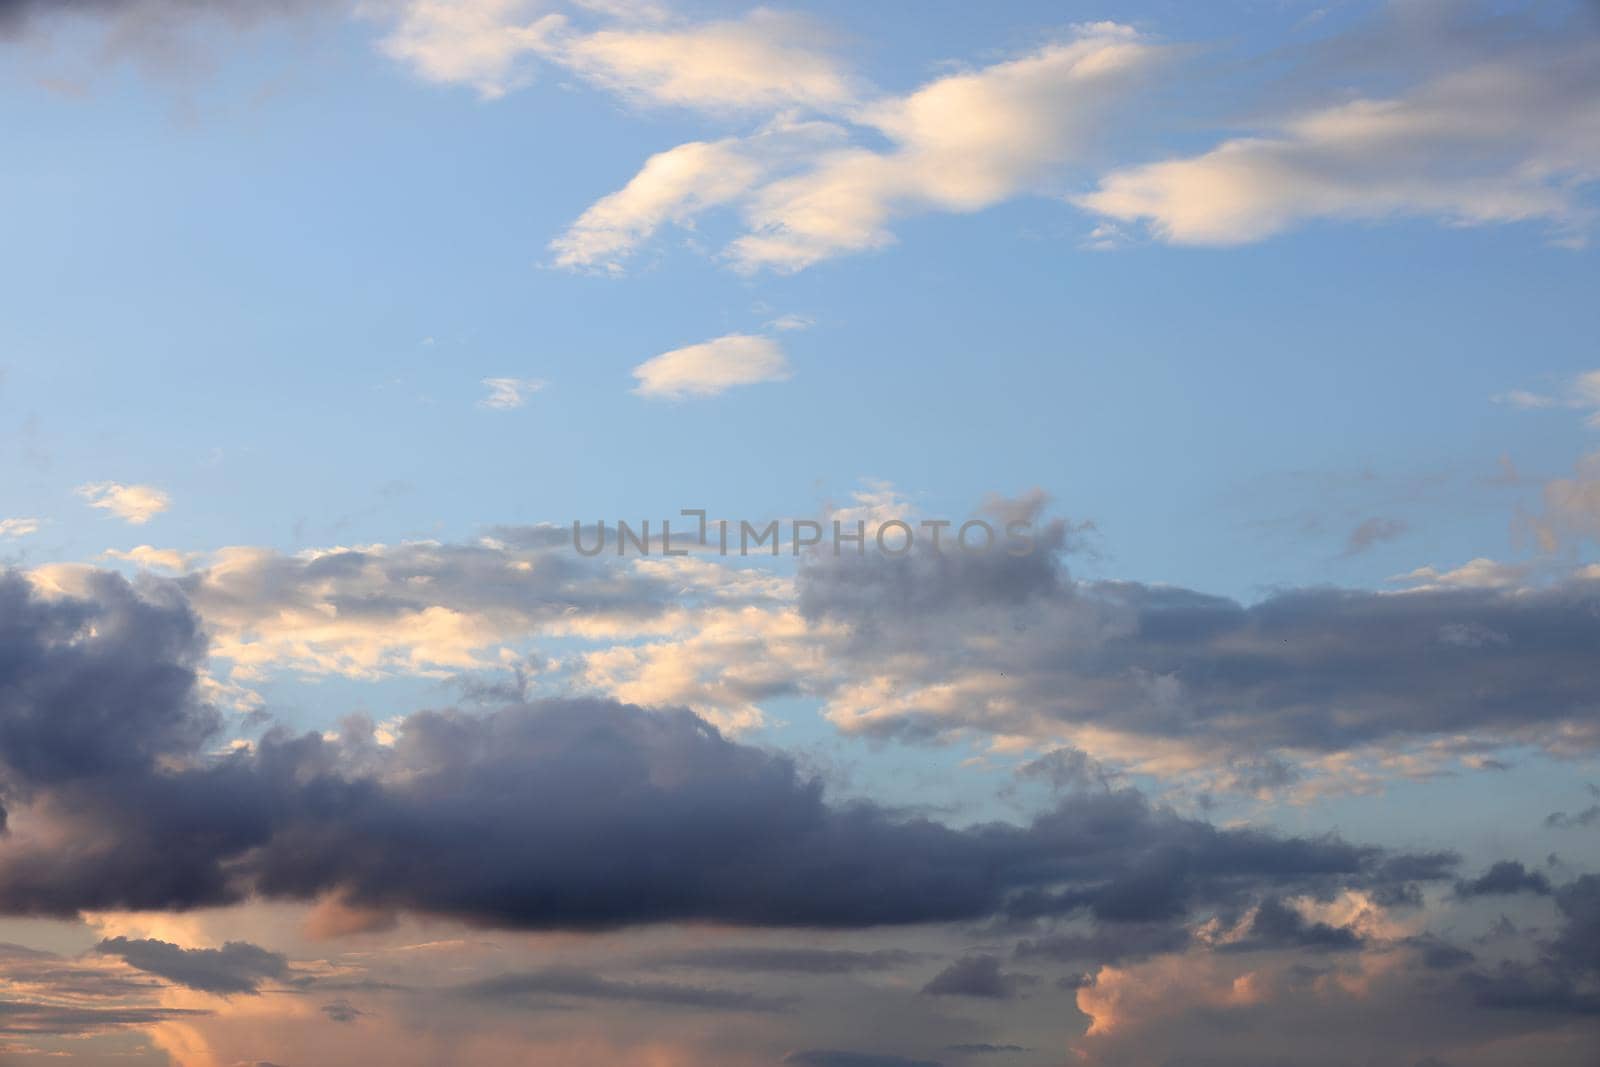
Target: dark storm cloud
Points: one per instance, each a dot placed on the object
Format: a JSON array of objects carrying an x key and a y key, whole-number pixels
[
  {"x": 1566, "y": 977},
  {"x": 1504, "y": 878},
  {"x": 106, "y": 707},
  {"x": 236, "y": 967},
  {"x": 1323, "y": 670},
  {"x": 558, "y": 814},
  {"x": 978, "y": 976}
]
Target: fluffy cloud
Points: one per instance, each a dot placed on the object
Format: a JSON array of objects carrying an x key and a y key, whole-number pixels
[
  {"x": 766, "y": 60},
  {"x": 419, "y": 607},
  {"x": 1506, "y": 139},
  {"x": 960, "y": 143},
  {"x": 559, "y": 814},
  {"x": 712, "y": 367},
  {"x": 479, "y": 43},
  {"x": 673, "y": 186},
  {"x": 133, "y": 504}
]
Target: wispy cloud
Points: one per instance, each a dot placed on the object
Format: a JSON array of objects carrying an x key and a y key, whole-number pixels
[
  {"x": 18, "y": 527},
  {"x": 506, "y": 394},
  {"x": 1582, "y": 393}
]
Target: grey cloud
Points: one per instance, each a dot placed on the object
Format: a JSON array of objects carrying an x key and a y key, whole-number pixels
[
  {"x": 25, "y": 1017},
  {"x": 236, "y": 967},
  {"x": 566, "y": 983},
  {"x": 838, "y": 1058},
  {"x": 1563, "y": 980},
  {"x": 1125, "y": 942},
  {"x": 1504, "y": 878},
  {"x": 1372, "y": 532},
  {"x": 1321, "y": 670},
  {"x": 342, "y": 1011},
  {"x": 556, "y": 814},
  {"x": 1275, "y": 925},
  {"x": 977, "y": 976},
  {"x": 67, "y": 978},
  {"x": 786, "y": 960},
  {"x": 20, "y": 16}
]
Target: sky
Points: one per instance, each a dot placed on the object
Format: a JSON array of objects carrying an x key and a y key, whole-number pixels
[{"x": 1261, "y": 334}]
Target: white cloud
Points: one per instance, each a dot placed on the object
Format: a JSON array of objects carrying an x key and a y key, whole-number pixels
[
  {"x": 671, "y": 187},
  {"x": 479, "y": 43},
  {"x": 792, "y": 322},
  {"x": 1582, "y": 393},
  {"x": 150, "y": 557},
  {"x": 960, "y": 143},
  {"x": 712, "y": 367},
  {"x": 507, "y": 394},
  {"x": 762, "y": 61},
  {"x": 134, "y": 504},
  {"x": 18, "y": 527},
  {"x": 1496, "y": 142}
]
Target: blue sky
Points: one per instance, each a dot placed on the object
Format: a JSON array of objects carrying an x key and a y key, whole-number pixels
[{"x": 319, "y": 318}]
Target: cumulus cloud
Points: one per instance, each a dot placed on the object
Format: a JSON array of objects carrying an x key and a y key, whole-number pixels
[
  {"x": 959, "y": 144},
  {"x": 671, "y": 187},
  {"x": 480, "y": 43},
  {"x": 416, "y": 608},
  {"x": 712, "y": 367},
  {"x": 115, "y": 804},
  {"x": 811, "y": 191},
  {"x": 133, "y": 504},
  {"x": 1509, "y": 138}
]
